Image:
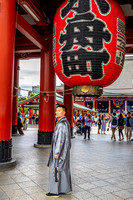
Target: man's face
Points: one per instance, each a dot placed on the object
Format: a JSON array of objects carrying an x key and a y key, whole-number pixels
[{"x": 60, "y": 112}]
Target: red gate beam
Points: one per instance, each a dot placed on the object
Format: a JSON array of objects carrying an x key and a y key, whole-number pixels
[
  {"x": 23, "y": 45},
  {"x": 25, "y": 56},
  {"x": 26, "y": 29},
  {"x": 34, "y": 10}
]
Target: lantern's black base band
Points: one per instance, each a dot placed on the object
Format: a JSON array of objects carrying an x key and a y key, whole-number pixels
[
  {"x": 5, "y": 151},
  {"x": 14, "y": 129},
  {"x": 44, "y": 137},
  {"x": 87, "y": 91}
]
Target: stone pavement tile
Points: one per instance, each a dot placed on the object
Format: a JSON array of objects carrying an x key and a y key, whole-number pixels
[
  {"x": 67, "y": 196},
  {"x": 35, "y": 177},
  {"x": 41, "y": 181},
  {"x": 124, "y": 194},
  {"x": 3, "y": 195},
  {"x": 94, "y": 198},
  {"x": 1, "y": 173},
  {"x": 78, "y": 180},
  {"x": 87, "y": 186},
  {"x": 10, "y": 187},
  {"x": 130, "y": 190},
  {"x": 114, "y": 175},
  {"x": 109, "y": 197},
  {"x": 98, "y": 191},
  {"x": 24, "y": 168},
  {"x": 30, "y": 173},
  {"x": 15, "y": 193},
  {"x": 27, "y": 184},
  {"x": 40, "y": 196},
  {"x": 113, "y": 180},
  {"x": 33, "y": 189},
  {"x": 91, "y": 178},
  {"x": 44, "y": 187},
  {"x": 83, "y": 195},
  {"x": 81, "y": 174},
  {"x": 25, "y": 197},
  {"x": 76, "y": 189},
  {"x": 12, "y": 171},
  {"x": 125, "y": 186},
  {"x": 20, "y": 178},
  {"x": 100, "y": 183},
  {"x": 6, "y": 181},
  {"x": 127, "y": 179},
  {"x": 111, "y": 188},
  {"x": 4, "y": 176},
  {"x": 103, "y": 176},
  {"x": 123, "y": 173}
]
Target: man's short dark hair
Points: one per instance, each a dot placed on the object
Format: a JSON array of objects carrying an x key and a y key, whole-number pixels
[
  {"x": 62, "y": 106},
  {"x": 114, "y": 114}
]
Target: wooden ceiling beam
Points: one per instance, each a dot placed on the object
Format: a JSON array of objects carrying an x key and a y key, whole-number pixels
[
  {"x": 33, "y": 9},
  {"x": 30, "y": 33}
]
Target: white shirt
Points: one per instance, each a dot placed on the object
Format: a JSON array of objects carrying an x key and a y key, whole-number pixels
[{"x": 88, "y": 122}]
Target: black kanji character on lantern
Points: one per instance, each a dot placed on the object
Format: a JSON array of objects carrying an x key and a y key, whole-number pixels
[
  {"x": 84, "y": 30},
  {"x": 85, "y": 33},
  {"x": 84, "y": 6},
  {"x": 75, "y": 63}
]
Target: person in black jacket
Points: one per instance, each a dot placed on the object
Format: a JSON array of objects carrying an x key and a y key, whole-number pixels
[
  {"x": 99, "y": 124},
  {"x": 19, "y": 125},
  {"x": 120, "y": 124}
]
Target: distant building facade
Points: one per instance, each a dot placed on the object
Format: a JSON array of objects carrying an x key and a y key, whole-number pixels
[{"x": 35, "y": 89}]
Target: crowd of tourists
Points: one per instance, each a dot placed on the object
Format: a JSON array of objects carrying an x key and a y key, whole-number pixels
[
  {"x": 84, "y": 123},
  {"x": 23, "y": 121}
]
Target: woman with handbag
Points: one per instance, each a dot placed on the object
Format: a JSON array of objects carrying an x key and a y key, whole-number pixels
[{"x": 120, "y": 124}]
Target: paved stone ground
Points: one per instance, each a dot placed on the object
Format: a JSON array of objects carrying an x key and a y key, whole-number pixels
[{"x": 101, "y": 169}]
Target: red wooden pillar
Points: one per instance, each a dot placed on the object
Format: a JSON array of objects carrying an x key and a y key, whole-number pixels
[
  {"x": 30, "y": 115},
  {"x": 94, "y": 104},
  {"x": 125, "y": 106},
  {"x": 68, "y": 102},
  {"x": 15, "y": 96},
  {"x": 47, "y": 98},
  {"x": 109, "y": 107},
  {"x": 7, "y": 36},
  {"x": 22, "y": 109}
]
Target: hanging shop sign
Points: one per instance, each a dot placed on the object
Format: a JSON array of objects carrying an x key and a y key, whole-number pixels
[{"x": 88, "y": 44}]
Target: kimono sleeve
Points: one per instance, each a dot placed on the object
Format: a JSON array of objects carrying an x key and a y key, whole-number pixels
[{"x": 60, "y": 139}]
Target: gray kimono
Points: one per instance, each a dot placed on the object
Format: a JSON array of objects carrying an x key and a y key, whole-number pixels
[{"x": 61, "y": 144}]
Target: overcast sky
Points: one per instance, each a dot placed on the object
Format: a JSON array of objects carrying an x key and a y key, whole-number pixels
[{"x": 29, "y": 75}]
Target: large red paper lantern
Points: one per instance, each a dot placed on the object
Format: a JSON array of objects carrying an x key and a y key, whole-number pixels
[{"x": 89, "y": 42}]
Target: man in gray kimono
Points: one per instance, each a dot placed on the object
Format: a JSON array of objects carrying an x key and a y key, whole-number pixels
[{"x": 60, "y": 156}]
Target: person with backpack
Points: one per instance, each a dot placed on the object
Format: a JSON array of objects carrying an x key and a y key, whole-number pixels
[
  {"x": 113, "y": 122},
  {"x": 120, "y": 124}
]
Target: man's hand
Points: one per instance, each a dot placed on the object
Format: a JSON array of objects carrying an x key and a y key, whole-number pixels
[{"x": 56, "y": 156}]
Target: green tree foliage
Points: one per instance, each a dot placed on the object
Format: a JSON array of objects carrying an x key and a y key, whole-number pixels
[
  {"x": 21, "y": 99},
  {"x": 31, "y": 95}
]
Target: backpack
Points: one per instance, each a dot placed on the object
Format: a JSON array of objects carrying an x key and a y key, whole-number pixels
[{"x": 114, "y": 121}]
